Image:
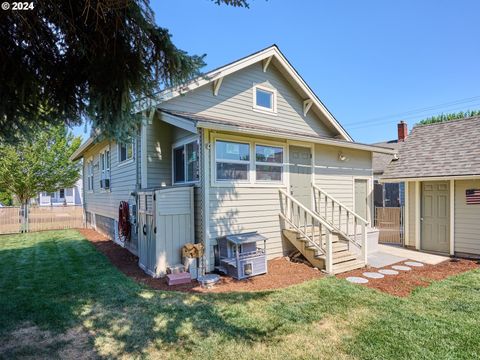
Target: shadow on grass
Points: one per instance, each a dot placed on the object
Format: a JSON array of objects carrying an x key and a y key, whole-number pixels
[{"x": 57, "y": 281}]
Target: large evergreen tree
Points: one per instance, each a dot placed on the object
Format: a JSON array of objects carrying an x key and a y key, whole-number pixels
[
  {"x": 39, "y": 164},
  {"x": 65, "y": 61}
]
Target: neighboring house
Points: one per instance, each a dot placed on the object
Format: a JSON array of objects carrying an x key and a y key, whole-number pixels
[
  {"x": 440, "y": 165},
  {"x": 388, "y": 194},
  {"x": 64, "y": 196},
  {"x": 251, "y": 138}
]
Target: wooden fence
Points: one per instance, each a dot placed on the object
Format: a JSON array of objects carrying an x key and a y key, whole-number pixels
[
  {"x": 388, "y": 220},
  {"x": 39, "y": 218}
]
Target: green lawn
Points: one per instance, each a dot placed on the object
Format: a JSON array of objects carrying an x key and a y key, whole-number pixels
[{"x": 59, "y": 297}]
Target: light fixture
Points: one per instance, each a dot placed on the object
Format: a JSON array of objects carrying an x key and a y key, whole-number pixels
[{"x": 342, "y": 157}]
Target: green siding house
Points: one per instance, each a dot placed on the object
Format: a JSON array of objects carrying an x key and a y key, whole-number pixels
[{"x": 261, "y": 152}]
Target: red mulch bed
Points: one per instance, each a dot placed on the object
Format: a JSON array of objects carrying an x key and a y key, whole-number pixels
[
  {"x": 406, "y": 281},
  {"x": 281, "y": 272}
]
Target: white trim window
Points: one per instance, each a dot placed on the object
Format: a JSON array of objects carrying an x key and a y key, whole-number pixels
[
  {"x": 264, "y": 99},
  {"x": 185, "y": 162},
  {"x": 90, "y": 175},
  {"x": 269, "y": 163},
  {"x": 232, "y": 161},
  {"x": 105, "y": 169},
  {"x": 126, "y": 152}
]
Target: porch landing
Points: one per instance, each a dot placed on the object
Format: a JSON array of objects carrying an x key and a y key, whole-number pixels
[{"x": 388, "y": 255}]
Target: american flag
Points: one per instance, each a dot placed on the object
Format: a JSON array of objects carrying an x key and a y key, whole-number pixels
[{"x": 473, "y": 196}]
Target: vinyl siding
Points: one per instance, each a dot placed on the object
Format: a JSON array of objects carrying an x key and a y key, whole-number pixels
[
  {"x": 122, "y": 182},
  {"x": 244, "y": 208},
  {"x": 234, "y": 102},
  {"x": 467, "y": 219},
  {"x": 159, "y": 153},
  {"x": 337, "y": 177}
]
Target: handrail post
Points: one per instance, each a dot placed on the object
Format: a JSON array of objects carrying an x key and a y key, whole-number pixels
[
  {"x": 364, "y": 243},
  {"x": 328, "y": 253}
]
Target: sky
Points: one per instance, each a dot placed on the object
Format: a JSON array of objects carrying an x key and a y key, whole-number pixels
[{"x": 371, "y": 62}]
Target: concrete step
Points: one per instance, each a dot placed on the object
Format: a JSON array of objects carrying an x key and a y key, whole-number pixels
[{"x": 347, "y": 266}]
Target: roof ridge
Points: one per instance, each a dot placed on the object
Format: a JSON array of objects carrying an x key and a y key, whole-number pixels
[{"x": 447, "y": 121}]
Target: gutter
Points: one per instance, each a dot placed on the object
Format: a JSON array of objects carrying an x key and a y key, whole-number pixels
[
  {"x": 430, "y": 178},
  {"x": 317, "y": 140}
]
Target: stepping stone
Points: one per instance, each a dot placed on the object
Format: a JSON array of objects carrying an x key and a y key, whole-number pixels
[
  {"x": 373, "y": 275},
  {"x": 357, "y": 280},
  {"x": 401, "y": 268},
  {"x": 388, "y": 272},
  {"x": 413, "y": 263}
]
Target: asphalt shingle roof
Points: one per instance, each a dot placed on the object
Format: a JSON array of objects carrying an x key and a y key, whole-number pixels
[
  {"x": 379, "y": 160},
  {"x": 450, "y": 148}
]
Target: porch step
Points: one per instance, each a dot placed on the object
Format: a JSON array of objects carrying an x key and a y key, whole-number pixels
[
  {"x": 337, "y": 246},
  {"x": 347, "y": 266}
]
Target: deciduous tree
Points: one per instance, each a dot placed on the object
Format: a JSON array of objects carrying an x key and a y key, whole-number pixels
[{"x": 40, "y": 163}]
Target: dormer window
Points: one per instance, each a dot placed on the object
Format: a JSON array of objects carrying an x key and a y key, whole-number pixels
[{"x": 264, "y": 99}]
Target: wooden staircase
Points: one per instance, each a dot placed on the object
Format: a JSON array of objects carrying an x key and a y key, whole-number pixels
[
  {"x": 342, "y": 259},
  {"x": 326, "y": 245}
]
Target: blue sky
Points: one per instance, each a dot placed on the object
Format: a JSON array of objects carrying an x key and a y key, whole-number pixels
[{"x": 371, "y": 62}]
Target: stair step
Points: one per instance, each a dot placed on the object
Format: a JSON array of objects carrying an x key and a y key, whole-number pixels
[
  {"x": 337, "y": 247},
  {"x": 347, "y": 266},
  {"x": 343, "y": 256},
  {"x": 339, "y": 257}
]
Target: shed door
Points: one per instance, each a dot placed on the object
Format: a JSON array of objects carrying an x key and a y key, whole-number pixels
[
  {"x": 361, "y": 197},
  {"x": 435, "y": 218},
  {"x": 301, "y": 174}
]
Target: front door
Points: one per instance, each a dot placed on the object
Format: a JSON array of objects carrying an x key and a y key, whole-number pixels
[
  {"x": 301, "y": 174},
  {"x": 435, "y": 216},
  {"x": 361, "y": 198}
]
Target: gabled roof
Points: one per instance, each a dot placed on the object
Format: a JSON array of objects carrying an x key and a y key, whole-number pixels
[
  {"x": 191, "y": 122},
  {"x": 445, "y": 149},
  {"x": 267, "y": 55}
]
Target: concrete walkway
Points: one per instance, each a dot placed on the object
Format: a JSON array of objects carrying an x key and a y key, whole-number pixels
[{"x": 391, "y": 253}]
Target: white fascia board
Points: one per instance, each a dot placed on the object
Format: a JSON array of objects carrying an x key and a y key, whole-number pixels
[
  {"x": 346, "y": 144},
  {"x": 430, "y": 178},
  {"x": 179, "y": 122},
  {"x": 81, "y": 149}
]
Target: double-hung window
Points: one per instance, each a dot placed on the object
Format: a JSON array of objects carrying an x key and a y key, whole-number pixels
[
  {"x": 105, "y": 169},
  {"x": 232, "y": 161},
  {"x": 268, "y": 163},
  {"x": 90, "y": 175},
  {"x": 125, "y": 151},
  {"x": 186, "y": 168},
  {"x": 248, "y": 162}
]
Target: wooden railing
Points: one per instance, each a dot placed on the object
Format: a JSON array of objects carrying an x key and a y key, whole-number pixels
[
  {"x": 342, "y": 219},
  {"x": 309, "y": 225}
]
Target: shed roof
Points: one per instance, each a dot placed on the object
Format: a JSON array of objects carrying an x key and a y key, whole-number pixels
[{"x": 445, "y": 149}]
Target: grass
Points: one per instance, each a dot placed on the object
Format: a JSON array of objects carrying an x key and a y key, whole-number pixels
[{"x": 60, "y": 298}]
